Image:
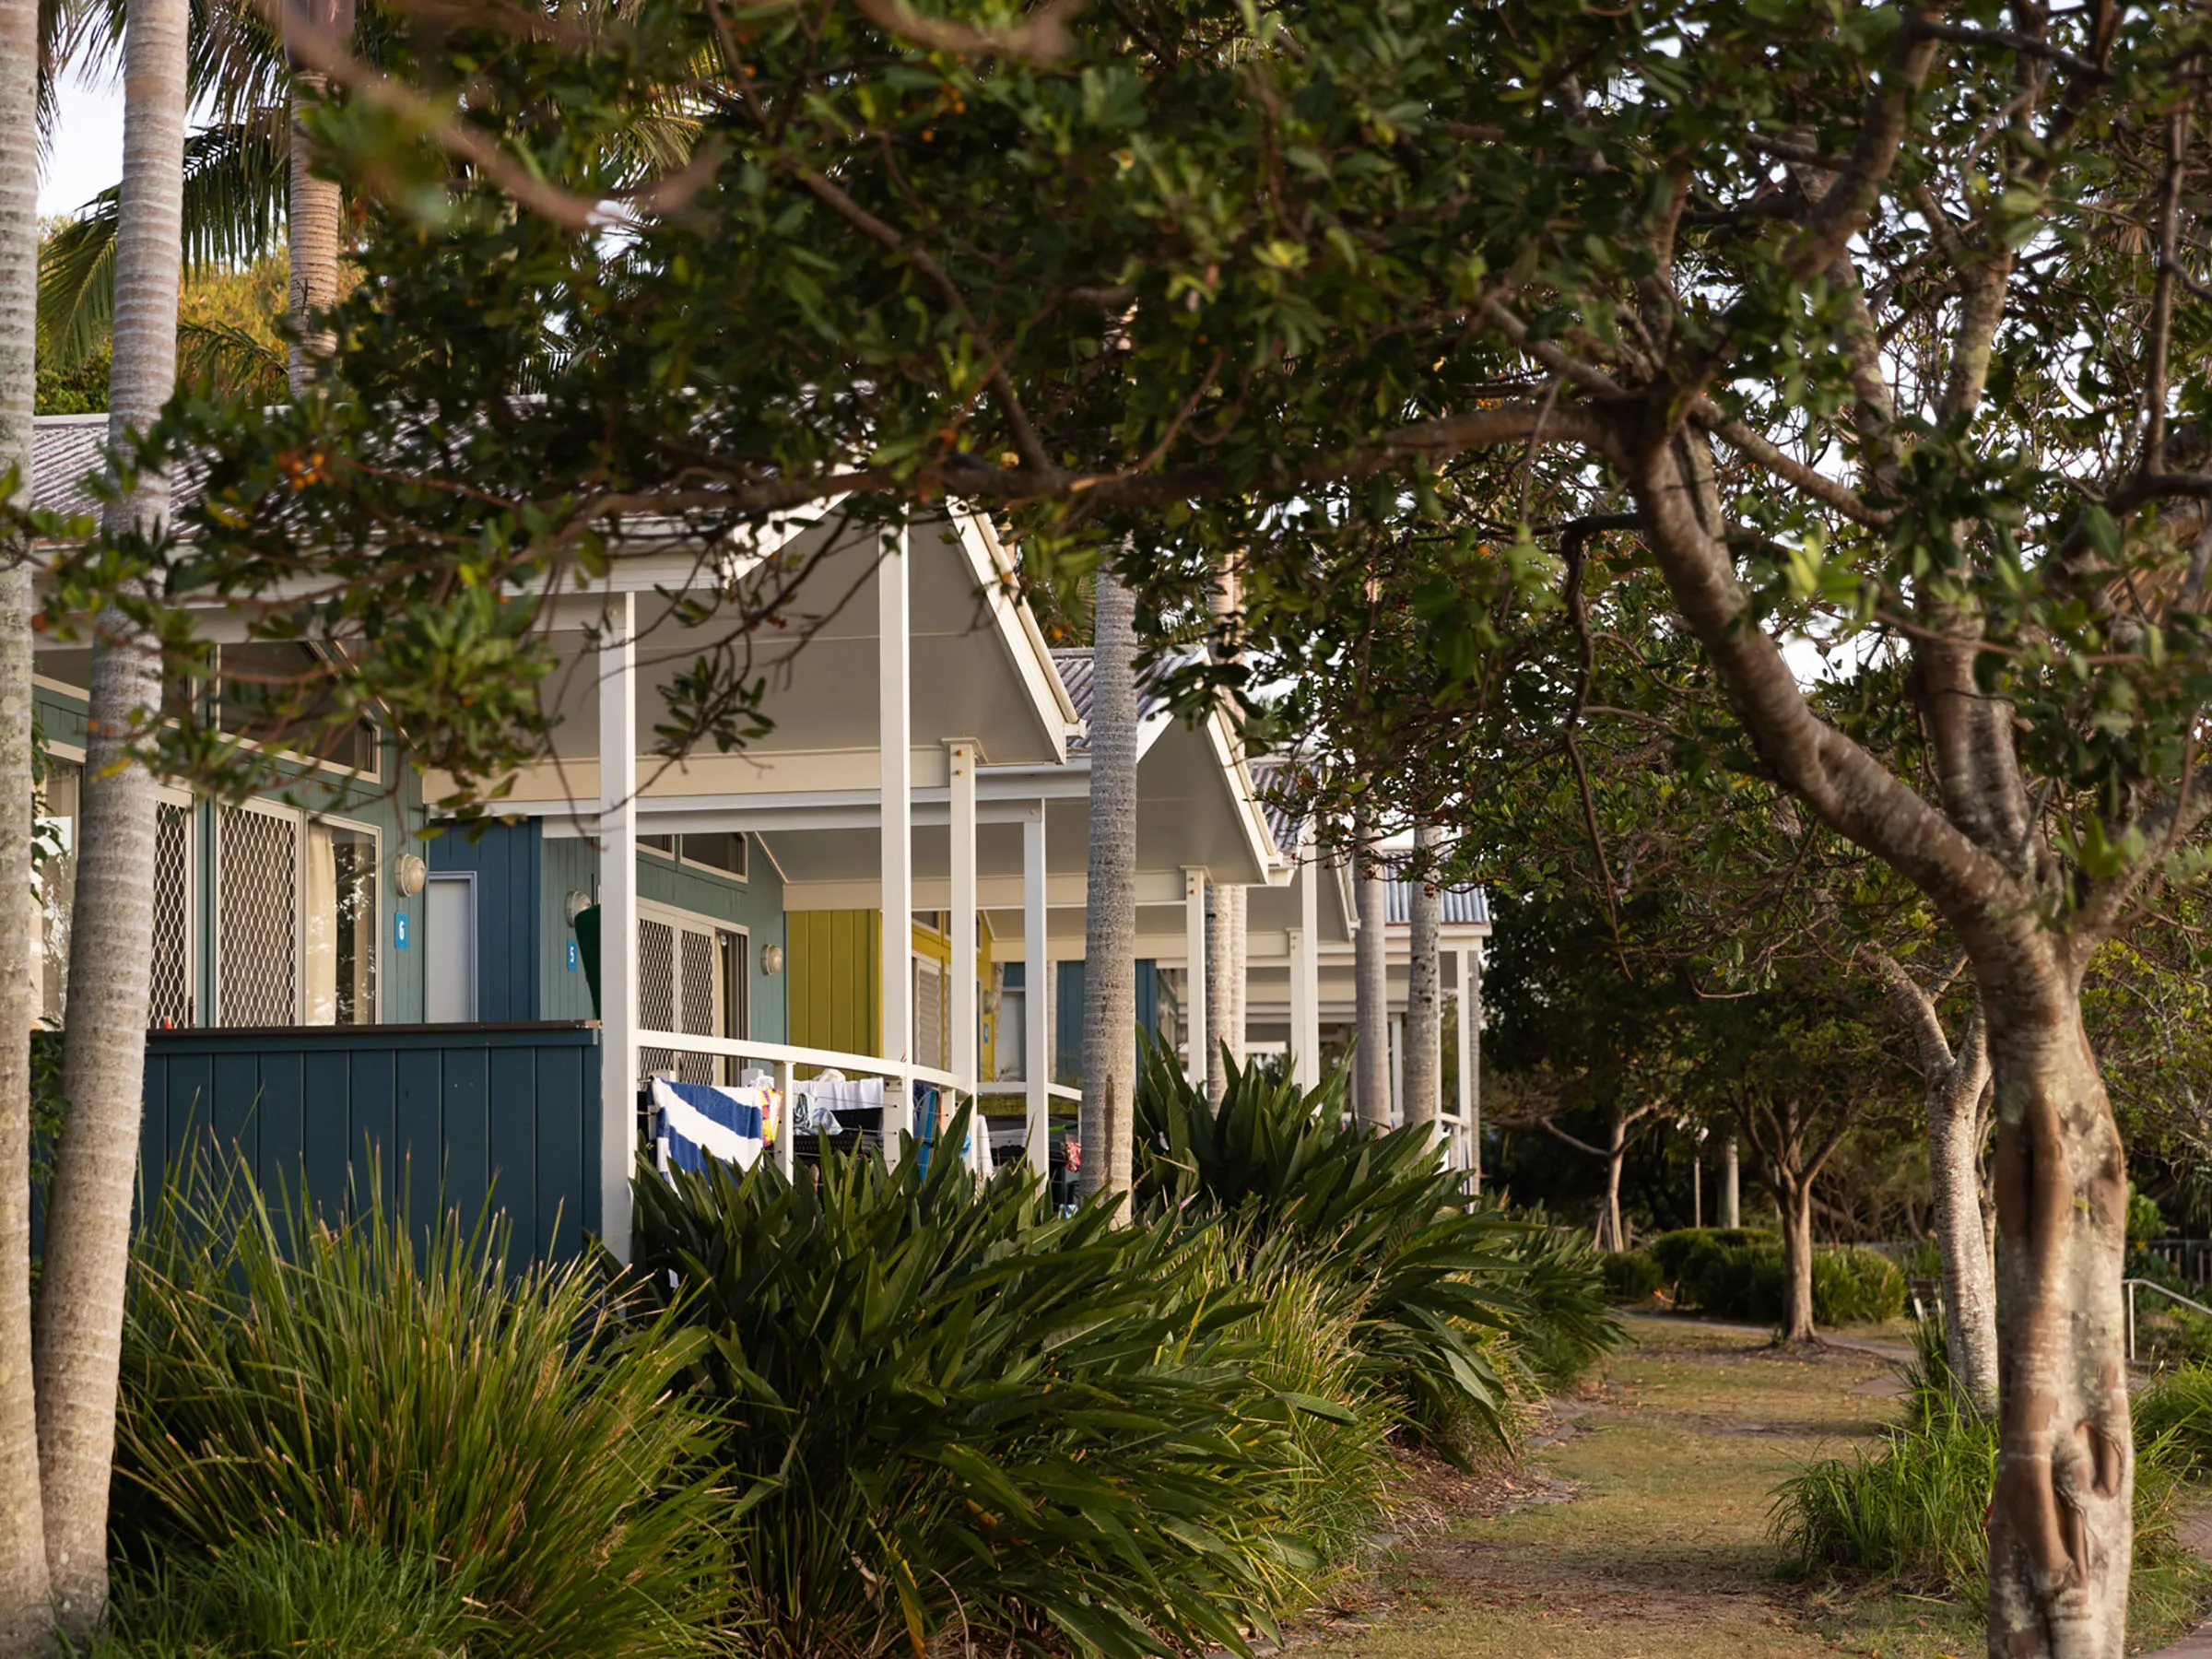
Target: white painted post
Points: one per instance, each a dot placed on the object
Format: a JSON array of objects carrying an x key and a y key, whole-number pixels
[
  {"x": 1398, "y": 1069},
  {"x": 1299, "y": 1064},
  {"x": 1193, "y": 974},
  {"x": 1463, "y": 1090},
  {"x": 894, "y": 739},
  {"x": 787, "y": 1148},
  {"x": 1471, "y": 1062},
  {"x": 1036, "y": 1000},
  {"x": 1305, "y": 968},
  {"x": 966, "y": 1058},
  {"x": 617, "y": 921}
]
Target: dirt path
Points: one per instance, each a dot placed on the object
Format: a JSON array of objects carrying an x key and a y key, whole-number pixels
[{"x": 1663, "y": 1550}]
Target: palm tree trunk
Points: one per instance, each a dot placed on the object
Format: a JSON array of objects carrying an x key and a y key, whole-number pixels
[
  {"x": 103, "y": 1058},
  {"x": 1221, "y": 961},
  {"x": 1109, "y": 905},
  {"x": 1371, "y": 974},
  {"x": 314, "y": 209},
  {"x": 1233, "y": 1032},
  {"x": 1424, "y": 995},
  {"x": 26, "y": 1627}
]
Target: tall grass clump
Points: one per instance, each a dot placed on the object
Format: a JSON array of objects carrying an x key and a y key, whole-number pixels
[
  {"x": 955, "y": 1414},
  {"x": 379, "y": 1394},
  {"x": 286, "y": 1595},
  {"x": 1912, "y": 1510},
  {"x": 1439, "y": 1272}
]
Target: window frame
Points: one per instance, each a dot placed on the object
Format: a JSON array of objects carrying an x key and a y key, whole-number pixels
[{"x": 300, "y": 819}]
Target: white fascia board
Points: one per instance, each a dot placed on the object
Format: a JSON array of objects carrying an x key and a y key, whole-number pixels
[{"x": 993, "y": 567}]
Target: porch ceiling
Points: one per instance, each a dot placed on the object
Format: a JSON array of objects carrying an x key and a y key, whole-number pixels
[{"x": 980, "y": 669}]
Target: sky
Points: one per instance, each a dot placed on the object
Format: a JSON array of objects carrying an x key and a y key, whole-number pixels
[{"x": 86, "y": 156}]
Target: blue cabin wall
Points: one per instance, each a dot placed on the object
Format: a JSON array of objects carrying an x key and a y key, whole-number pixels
[
  {"x": 1067, "y": 1015},
  {"x": 506, "y": 860},
  {"x": 524, "y": 880}
]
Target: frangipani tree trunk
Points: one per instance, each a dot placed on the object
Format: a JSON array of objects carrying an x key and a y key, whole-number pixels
[
  {"x": 1371, "y": 978},
  {"x": 80, "y": 1300},
  {"x": 26, "y": 1625},
  {"x": 1109, "y": 907},
  {"x": 1955, "y": 1082}
]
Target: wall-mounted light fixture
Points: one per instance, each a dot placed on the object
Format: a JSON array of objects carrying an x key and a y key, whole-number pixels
[
  {"x": 575, "y": 905},
  {"x": 772, "y": 959},
  {"x": 409, "y": 875}
]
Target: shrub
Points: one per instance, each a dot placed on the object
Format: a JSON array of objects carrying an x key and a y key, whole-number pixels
[
  {"x": 426, "y": 1403},
  {"x": 2177, "y": 1408},
  {"x": 1439, "y": 1265},
  {"x": 1855, "y": 1286},
  {"x": 1675, "y": 1252},
  {"x": 1633, "y": 1275},
  {"x": 952, "y": 1410},
  {"x": 1738, "y": 1273},
  {"x": 288, "y": 1596}
]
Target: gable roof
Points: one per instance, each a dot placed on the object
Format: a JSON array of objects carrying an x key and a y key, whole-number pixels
[{"x": 1074, "y": 666}]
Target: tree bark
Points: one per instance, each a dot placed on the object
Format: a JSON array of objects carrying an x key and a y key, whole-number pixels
[
  {"x": 1954, "y": 1082},
  {"x": 1424, "y": 997},
  {"x": 1797, "y": 1261},
  {"x": 1372, "y": 979},
  {"x": 314, "y": 208},
  {"x": 1109, "y": 915},
  {"x": 25, "y": 1623},
  {"x": 2061, "y": 1525},
  {"x": 79, "y": 1321},
  {"x": 1220, "y": 963},
  {"x": 1239, "y": 914},
  {"x": 1617, "y": 1154}
]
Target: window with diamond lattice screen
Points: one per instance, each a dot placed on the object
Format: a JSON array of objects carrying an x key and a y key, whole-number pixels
[
  {"x": 169, "y": 1000},
  {"x": 257, "y": 928},
  {"x": 702, "y": 998},
  {"x": 657, "y": 989}
]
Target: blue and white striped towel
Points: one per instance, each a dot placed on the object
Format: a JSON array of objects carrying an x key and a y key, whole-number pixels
[{"x": 698, "y": 1121}]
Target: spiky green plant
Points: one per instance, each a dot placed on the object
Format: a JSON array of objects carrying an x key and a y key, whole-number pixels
[
  {"x": 1436, "y": 1264},
  {"x": 367, "y": 1384},
  {"x": 954, "y": 1411}
]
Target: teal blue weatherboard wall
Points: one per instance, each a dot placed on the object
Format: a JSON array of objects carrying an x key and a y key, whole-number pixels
[
  {"x": 1067, "y": 1016},
  {"x": 505, "y": 860},
  {"x": 391, "y": 804},
  {"x": 456, "y": 1119},
  {"x": 524, "y": 880}
]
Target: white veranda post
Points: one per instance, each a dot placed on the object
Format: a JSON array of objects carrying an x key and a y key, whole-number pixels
[
  {"x": 1037, "y": 990},
  {"x": 1305, "y": 968},
  {"x": 617, "y": 919},
  {"x": 960, "y": 760},
  {"x": 1194, "y": 976},
  {"x": 894, "y": 726},
  {"x": 1397, "y": 1068},
  {"x": 1470, "y": 1058}
]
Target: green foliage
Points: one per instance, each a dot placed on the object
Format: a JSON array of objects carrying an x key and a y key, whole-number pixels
[
  {"x": 2176, "y": 1410},
  {"x": 289, "y": 1595},
  {"x": 2144, "y": 1222},
  {"x": 1912, "y": 1510},
  {"x": 1438, "y": 1265},
  {"x": 1633, "y": 1276},
  {"x": 1855, "y": 1286},
  {"x": 951, "y": 1410},
  {"x": 379, "y": 1392},
  {"x": 1738, "y": 1273}
]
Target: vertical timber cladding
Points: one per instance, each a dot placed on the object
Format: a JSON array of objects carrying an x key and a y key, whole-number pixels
[
  {"x": 836, "y": 997},
  {"x": 448, "y": 1121}
]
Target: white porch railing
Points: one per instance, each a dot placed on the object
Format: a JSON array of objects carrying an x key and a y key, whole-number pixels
[{"x": 783, "y": 1058}]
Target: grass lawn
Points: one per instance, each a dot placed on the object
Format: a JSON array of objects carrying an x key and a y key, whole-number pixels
[{"x": 1663, "y": 1551}]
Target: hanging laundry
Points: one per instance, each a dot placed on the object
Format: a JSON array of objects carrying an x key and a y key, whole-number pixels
[{"x": 701, "y": 1121}]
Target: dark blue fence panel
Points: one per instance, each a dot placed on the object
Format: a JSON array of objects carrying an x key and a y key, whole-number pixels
[{"x": 454, "y": 1115}]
